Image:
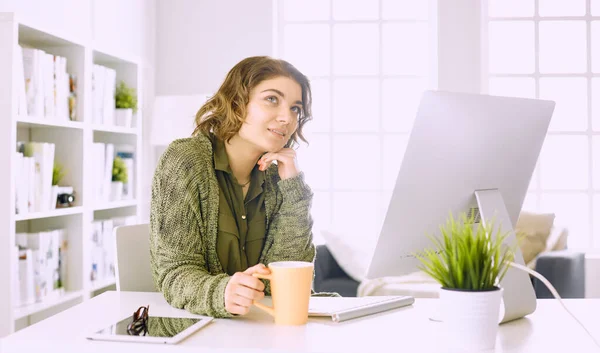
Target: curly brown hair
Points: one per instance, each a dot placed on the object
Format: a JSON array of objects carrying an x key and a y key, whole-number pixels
[{"x": 224, "y": 113}]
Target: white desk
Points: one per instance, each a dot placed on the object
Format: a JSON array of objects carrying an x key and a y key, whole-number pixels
[{"x": 549, "y": 329}]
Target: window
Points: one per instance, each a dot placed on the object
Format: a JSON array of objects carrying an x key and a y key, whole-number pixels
[
  {"x": 550, "y": 49},
  {"x": 368, "y": 62}
]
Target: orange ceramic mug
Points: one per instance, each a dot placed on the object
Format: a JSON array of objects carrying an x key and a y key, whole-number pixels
[{"x": 290, "y": 290}]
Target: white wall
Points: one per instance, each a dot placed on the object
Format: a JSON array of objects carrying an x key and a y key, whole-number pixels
[
  {"x": 198, "y": 41},
  {"x": 120, "y": 24},
  {"x": 128, "y": 24},
  {"x": 65, "y": 16},
  {"x": 459, "y": 45},
  {"x": 592, "y": 280}
]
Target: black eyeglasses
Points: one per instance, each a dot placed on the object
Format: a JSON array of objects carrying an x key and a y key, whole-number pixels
[{"x": 139, "y": 325}]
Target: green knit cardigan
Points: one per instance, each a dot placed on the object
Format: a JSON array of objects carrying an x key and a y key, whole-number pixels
[{"x": 184, "y": 219}]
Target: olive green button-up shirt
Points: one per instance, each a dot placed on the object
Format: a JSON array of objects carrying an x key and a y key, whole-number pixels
[{"x": 242, "y": 221}]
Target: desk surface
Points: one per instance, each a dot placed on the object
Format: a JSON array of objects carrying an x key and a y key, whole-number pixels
[{"x": 549, "y": 329}]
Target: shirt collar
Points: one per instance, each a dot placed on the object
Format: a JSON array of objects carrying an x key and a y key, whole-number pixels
[
  {"x": 221, "y": 159},
  {"x": 257, "y": 176},
  {"x": 222, "y": 162}
]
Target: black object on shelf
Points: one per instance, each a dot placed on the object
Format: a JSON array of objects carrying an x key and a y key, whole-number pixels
[{"x": 65, "y": 200}]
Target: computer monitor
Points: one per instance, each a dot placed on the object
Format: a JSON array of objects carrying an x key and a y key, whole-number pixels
[{"x": 466, "y": 153}]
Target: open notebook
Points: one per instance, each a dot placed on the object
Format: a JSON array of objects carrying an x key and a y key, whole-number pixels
[{"x": 341, "y": 309}]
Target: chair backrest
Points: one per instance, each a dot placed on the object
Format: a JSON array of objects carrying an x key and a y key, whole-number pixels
[{"x": 132, "y": 267}]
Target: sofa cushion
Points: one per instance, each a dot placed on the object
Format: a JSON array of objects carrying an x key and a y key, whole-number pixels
[
  {"x": 533, "y": 230},
  {"x": 557, "y": 239},
  {"x": 417, "y": 284},
  {"x": 531, "y": 244}
]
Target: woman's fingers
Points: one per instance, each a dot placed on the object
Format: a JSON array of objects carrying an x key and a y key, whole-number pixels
[
  {"x": 249, "y": 293},
  {"x": 259, "y": 268},
  {"x": 242, "y": 301},
  {"x": 284, "y": 156},
  {"x": 238, "y": 309},
  {"x": 249, "y": 281}
]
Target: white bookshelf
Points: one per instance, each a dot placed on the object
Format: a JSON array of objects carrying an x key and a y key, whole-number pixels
[
  {"x": 74, "y": 145},
  {"x": 28, "y": 310},
  {"x": 116, "y": 129},
  {"x": 115, "y": 205},
  {"x": 49, "y": 214},
  {"x": 34, "y": 122}
]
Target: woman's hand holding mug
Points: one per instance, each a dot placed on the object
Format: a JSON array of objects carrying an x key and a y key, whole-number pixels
[{"x": 243, "y": 289}]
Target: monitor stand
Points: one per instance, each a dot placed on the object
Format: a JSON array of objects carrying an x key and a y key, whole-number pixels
[{"x": 519, "y": 296}]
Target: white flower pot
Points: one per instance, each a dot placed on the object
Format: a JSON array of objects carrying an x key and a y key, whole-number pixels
[
  {"x": 470, "y": 318},
  {"x": 123, "y": 117},
  {"x": 116, "y": 190}
]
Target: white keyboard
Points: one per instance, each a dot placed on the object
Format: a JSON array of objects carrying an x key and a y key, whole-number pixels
[{"x": 327, "y": 306}]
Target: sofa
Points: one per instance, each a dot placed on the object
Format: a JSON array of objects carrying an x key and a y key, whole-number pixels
[
  {"x": 340, "y": 265},
  {"x": 563, "y": 268}
]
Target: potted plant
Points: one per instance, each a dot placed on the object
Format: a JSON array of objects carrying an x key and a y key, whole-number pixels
[
  {"x": 57, "y": 174},
  {"x": 125, "y": 104},
  {"x": 469, "y": 260},
  {"x": 119, "y": 178}
]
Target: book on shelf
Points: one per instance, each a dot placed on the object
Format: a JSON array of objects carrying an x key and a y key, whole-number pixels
[
  {"x": 103, "y": 95},
  {"x": 16, "y": 281},
  {"x": 25, "y": 278},
  {"x": 23, "y": 168},
  {"x": 103, "y": 249},
  {"x": 33, "y": 78},
  {"x": 103, "y": 154},
  {"x": 103, "y": 159},
  {"x": 33, "y": 173},
  {"x": 102, "y": 266},
  {"x": 21, "y": 91},
  {"x": 48, "y": 67},
  {"x": 42, "y": 265},
  {"x": 46, "y": 85}
]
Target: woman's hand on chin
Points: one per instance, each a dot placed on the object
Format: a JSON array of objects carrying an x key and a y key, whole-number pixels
[{"x": 287, "y": 163}]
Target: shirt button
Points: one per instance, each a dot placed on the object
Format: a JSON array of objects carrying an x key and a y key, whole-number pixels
[
  {"x": 243, "y": 216},
  {"x": 244, "y": 248}
]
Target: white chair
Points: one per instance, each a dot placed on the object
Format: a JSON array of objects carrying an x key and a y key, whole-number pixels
[{"x": 132, "y": 268}]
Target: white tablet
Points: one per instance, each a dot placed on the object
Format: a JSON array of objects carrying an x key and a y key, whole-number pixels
[{"x": 168, "y": 330}]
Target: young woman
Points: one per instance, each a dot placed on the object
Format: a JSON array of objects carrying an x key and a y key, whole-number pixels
[{"x": 221, "y": 207}]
